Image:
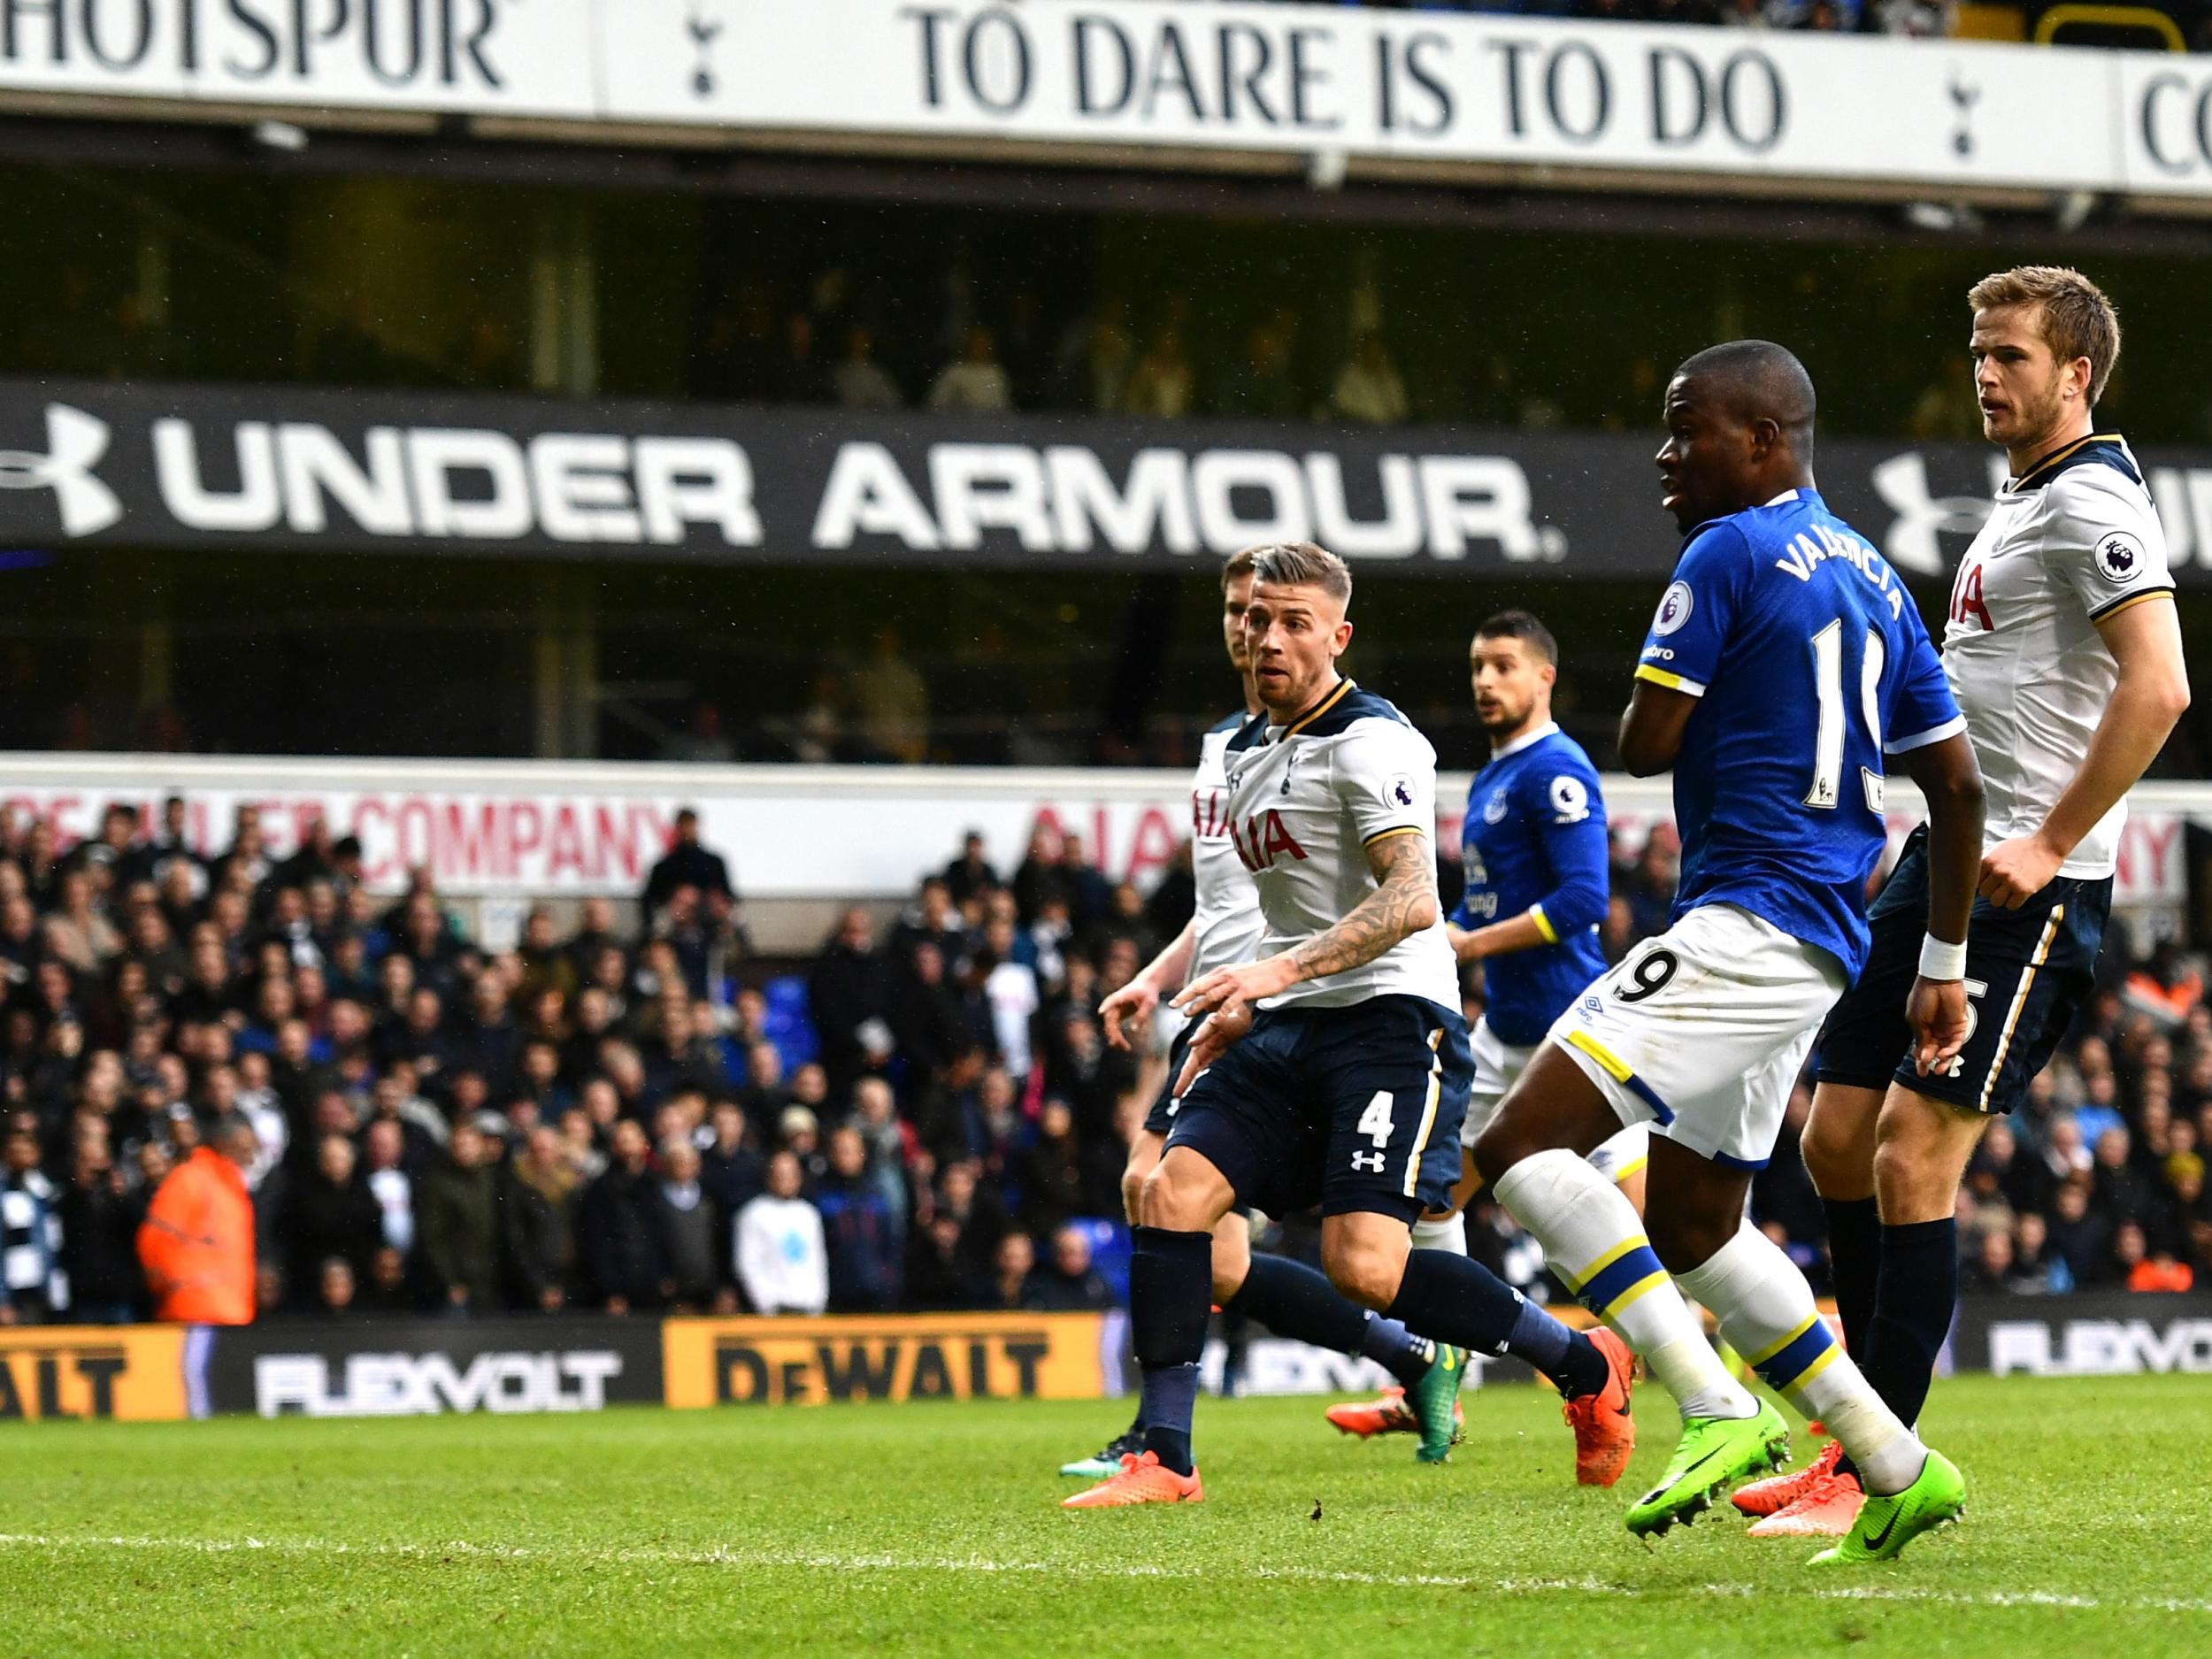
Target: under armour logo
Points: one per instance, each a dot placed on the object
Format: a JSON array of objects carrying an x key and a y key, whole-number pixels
[
  {"x": 1910, "y": 542},
  {"x": 74, "y": 442},
  {"x": 1360, "y": 1162}
]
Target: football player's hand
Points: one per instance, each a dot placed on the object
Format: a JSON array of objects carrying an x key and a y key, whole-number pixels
[
  {"x": 2015, "y": 872},
  {"x": 1226, "y": 989},
  {"x": 1134, "y": 1003},
  {"x": 1212, "y": 1041},
  {"x": 1936, "y": 1011}
]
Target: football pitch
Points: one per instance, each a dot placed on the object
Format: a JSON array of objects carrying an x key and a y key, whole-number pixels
[{"x": 933, "y": 1528}]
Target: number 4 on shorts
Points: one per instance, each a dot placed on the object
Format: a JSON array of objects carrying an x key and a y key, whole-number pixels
[{"x": 1374, "y": 1122}]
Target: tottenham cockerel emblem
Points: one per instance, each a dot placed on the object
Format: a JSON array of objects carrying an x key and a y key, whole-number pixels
[{"x": 704, "y": 31}]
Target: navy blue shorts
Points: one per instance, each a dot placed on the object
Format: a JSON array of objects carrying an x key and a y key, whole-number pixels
[
  {"x": 1160, "y": 1118},
  {"x": 2028, "y": 973},
  {"x": 1357, "y": 1110}
]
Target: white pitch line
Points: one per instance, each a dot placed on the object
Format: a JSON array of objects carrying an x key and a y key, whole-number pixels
[{"x": 658, "y": 1555}]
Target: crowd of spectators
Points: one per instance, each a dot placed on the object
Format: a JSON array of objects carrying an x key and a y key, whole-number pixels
[{"x": 205, "y": 1052}]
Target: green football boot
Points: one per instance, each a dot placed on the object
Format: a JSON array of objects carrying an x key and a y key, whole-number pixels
[
  {"x": 1435, "y": 1402},
  {"x": 1713, "y": 1453},
  {"x": 1888, "y": 1522},
  {"x": 1105, "y": 1464}
]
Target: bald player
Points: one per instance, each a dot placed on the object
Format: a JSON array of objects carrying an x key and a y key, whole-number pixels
[{"x": 1784, "y": 664}]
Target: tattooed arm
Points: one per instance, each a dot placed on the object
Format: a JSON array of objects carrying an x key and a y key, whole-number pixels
[{"x": 1403, "y": 903}]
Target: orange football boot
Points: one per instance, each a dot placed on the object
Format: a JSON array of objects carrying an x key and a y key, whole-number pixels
[
  {"x": 1388, "y": 1413},
  {"x": 1142, "y": 1480},
  {"x": 1824, "y": 1509},
  {"x": 1776, "y": 1493},
  {"x": 1605, "y": 1431}
]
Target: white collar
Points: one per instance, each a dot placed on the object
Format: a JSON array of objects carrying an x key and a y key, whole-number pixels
[
  {"x": 1525, "y": 739},
  {"x": 1786, "y": 495}
]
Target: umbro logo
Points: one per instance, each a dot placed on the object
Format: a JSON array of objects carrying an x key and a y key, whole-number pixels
[{"x": 75, "y": 443}]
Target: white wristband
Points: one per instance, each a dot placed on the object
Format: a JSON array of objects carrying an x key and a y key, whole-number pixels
[{"x": 1943, "y": 961}]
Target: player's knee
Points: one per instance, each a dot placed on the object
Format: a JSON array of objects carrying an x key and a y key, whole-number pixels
[
  {"x": 1164, "y": 1202},
  {"x": 1915, "y": 1173},
  {"x": 1369, "y": 1274},
  {"x": 1498, "y": 1149},
  {"x": 1685, "y": 1242},
  {"x": 1133, "y": 1182},
  {"x": 1835, "y": 1154}
]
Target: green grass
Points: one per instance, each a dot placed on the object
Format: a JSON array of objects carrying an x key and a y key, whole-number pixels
[{"x": 931, "y": 1528}]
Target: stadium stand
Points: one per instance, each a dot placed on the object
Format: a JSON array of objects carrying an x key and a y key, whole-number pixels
[{"x": 584, "y": 1120}]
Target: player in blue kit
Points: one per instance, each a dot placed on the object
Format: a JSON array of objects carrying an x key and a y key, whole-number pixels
[
  {"x": 1785, "y": 663},
  {"x": 1534, "y": 854}
]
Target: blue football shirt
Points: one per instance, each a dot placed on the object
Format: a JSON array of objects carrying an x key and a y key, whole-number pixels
[
  {"x": 1810, "y": 664},
  {"x": 1535, "y": 840}
]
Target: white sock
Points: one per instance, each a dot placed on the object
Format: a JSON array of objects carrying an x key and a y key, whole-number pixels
[
  {"x": 1765, "y": 1309},
  {"x": 1449, "y": 1234},
  {"x": 1595, "y": 1240}
]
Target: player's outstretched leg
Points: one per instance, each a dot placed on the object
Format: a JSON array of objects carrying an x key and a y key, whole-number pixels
[
  {"x": 1766, "y": 1308},
  {"x": 1595, "y": 1240},
  {"x": 1171, "y": 1294},
  {"x": 1294, "y": 1300},
  {"x": 1464, "y": 1302}
]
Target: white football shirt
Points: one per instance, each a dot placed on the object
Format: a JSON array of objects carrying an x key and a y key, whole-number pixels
[
  {"x": 1306, "y": 801},
  {"x": 2073, "y": 540},
  {"x": 1228, "y": 913}
]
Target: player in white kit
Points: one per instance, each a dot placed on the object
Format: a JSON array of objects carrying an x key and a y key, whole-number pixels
[
  {"x": 1331, "y": 1068},
  {"x": 2064, "y": 650},
  {"x": 1288, "y": 1297}
]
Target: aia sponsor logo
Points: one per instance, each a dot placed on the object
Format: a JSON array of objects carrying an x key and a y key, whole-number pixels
[{"x": 1263, "y": 838}]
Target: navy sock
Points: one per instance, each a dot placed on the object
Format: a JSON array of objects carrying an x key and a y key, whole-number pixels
[
  {"x": 1914, "y": 1302},
  {"x": 1458, "y": 1300},
  {"x": 1294, "y": 1300},
  {"x": 1855, "y": 1254},
  {"x": 1396, "y": 1349},
  {"x": 1171, "y": 1294},
  {"x": 1566, "y": 1356}
]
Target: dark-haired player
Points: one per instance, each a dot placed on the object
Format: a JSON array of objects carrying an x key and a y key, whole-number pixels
[
  {"x": 2063, "y": 647},
  {"x": 1785, "y": 662}
]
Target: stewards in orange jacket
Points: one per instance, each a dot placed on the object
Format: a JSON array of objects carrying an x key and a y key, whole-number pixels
[{"x": 196, "y": 1242}]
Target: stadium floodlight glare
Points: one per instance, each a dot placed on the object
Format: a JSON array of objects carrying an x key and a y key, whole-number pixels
[
  {"x": 2072, "y": 209},
  {"x": 1325, "y": 168},
  {"x": 1942, "y": 216},
  {"x": 279, "y": 135}
]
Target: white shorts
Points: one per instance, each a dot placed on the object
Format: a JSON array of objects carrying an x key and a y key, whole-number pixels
[
  {"x": 1704, "y": 1029},
  {"x": 1498, "y": 1066}
]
